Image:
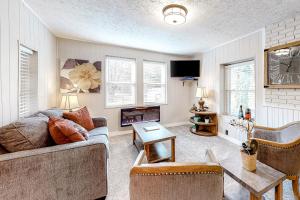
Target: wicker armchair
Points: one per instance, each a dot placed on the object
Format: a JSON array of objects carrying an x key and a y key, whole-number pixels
[
  {"x": 280, "y": 149},
  {"x": 175, "y": 181}
]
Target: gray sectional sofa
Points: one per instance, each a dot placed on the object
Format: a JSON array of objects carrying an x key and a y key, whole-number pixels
[{"x": 69, "y": 172}]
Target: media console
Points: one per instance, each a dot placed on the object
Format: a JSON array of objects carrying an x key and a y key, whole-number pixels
[{"x": 139, "y": 114}]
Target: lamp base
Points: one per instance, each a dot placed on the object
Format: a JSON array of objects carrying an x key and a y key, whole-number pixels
[{"x": 201, "y": 105}]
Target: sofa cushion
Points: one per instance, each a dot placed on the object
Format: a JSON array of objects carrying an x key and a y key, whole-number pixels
[
  {"x": 98, "y": 131},
  {"x": 24, "y": 134},
  {"x": 64, "y": 131},
  {"x": 81, "y": 117}
]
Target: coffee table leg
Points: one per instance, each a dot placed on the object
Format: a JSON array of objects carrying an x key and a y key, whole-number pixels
[
  {"x": 147, "y": 150},
  {"x": 133, "y": 136},
  {"x": 279, "y": 192},
  {"x": 253, "y": 197},
  {"x": 173, "y": 150}
]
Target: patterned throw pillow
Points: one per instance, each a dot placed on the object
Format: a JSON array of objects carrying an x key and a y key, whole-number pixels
[
  {"x": 81, "y": 117},
  {"x": 24, "y": 134},
  {"x": 64, "y": 131}
]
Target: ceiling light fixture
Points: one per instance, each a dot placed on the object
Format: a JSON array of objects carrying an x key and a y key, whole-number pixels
[{"x": 175, "y": 14}]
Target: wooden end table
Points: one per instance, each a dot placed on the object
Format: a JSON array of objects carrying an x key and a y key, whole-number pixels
[
  {"x": 151, "y": 141},
  {"x": 258, "y": 182},
  {"x": 202, "y": 128}
]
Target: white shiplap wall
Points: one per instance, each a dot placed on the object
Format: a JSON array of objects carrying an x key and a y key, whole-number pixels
[
  {"x": 247, "y": 47},
  {"x": 20, "y": 25}
]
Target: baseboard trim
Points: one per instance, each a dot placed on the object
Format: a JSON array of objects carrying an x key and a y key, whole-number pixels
[
  {"x": 118, "y": 133},
  {"x": 230, "y": 139}
]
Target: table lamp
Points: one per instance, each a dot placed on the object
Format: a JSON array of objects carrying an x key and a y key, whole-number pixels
[
  {"x": 69, "y": 102},
  {"x": 201, "y": 93}
]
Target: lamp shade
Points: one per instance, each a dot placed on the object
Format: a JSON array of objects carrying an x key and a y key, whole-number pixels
[
  {"x": 69, "y": 102},
  {"x": 201, "y": 92}
]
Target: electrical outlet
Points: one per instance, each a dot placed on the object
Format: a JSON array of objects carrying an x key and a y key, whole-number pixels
[{"x": 226, "y": 132}]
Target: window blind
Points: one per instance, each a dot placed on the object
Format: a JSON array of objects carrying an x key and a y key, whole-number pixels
[
  {"x": 28, "y": 87},
  {"x": 239, "y": 87},
  {"x": 120, "y": 78},
  {"x": 155, "y": 84}
]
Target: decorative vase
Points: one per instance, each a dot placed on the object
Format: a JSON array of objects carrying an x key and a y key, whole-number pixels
[{"x": 249, "y": 161}]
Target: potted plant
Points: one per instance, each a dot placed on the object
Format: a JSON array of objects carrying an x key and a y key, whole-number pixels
[{"x": 249, "y": 154}]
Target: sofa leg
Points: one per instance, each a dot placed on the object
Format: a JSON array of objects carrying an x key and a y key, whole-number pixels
[{"x": 295, "y": 183}]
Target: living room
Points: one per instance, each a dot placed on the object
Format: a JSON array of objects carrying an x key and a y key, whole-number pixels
[{"x": 149, "y": 99}]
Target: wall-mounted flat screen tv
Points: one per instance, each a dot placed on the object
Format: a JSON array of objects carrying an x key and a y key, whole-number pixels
[{"x": 185, "y": 68}]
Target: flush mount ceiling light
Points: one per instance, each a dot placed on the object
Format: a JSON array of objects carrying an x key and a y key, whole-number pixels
[{"x": 175, "y": 14}]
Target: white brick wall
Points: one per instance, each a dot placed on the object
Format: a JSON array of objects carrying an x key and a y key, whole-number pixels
[
  {"x": 283, "y": 32},
  {"x": 280, "y": 33}
]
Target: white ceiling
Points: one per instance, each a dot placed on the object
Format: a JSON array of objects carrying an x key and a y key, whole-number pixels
[{"x": 140, "y": 24}]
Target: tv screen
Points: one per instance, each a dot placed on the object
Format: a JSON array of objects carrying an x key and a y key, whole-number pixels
[{"x": 185, "y": 68}]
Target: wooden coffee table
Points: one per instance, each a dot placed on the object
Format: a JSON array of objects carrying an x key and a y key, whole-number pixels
[
  {"x": 258, "y": 182},
  {"x": 151, "y": 141}
]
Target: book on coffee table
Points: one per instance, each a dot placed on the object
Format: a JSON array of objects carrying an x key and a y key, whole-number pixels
[{"x": 151, "y": 128}]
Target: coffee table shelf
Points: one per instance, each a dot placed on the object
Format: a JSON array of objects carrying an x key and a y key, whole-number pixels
[
  {"x": 152, "y": 141},
  {"x": 158, "y": 151}
]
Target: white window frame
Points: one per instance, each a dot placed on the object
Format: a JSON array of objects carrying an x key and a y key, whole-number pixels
[
  {"x": 107, "y": 83},
  {"x": 166, "y": 83},
  {"x": 226, "y": 103}
]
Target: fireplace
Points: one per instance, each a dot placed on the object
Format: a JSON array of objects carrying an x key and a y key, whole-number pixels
[{"x": 139, "y": 114}]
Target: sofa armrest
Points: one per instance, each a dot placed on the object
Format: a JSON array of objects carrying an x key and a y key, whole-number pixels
[
  {"x": 70, "y": 171},
  {"x": 99, "y": 121},
  {"x": 51, "y": 149}
]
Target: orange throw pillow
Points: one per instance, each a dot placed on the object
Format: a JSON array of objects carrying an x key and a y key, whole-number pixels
[
  {"x": 81, "y": 117},
  {"x": 63, "y": 132}
]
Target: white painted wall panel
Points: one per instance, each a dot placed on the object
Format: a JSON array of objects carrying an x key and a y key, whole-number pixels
[
  {"x": 20, "y": 25},
  {"x": 248, "y": 47}
]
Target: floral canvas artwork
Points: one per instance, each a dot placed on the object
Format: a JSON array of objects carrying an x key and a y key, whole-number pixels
[{"x": 80, "y": 76}]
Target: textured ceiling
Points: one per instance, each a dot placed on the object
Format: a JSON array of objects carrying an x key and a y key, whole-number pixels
[{"x": 139, "y": 23}]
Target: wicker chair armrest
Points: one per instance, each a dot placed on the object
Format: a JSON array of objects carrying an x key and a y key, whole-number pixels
[{"x": 278, "y": 145}]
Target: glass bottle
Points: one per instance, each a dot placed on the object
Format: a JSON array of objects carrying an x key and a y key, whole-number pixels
[{"x": 241, "y": 113}]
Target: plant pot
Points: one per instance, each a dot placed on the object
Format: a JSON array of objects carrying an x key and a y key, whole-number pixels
[{"x": 249, "y": 161}]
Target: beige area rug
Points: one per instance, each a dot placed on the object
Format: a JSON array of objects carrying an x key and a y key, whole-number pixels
[{"x": 189, "y": 148}]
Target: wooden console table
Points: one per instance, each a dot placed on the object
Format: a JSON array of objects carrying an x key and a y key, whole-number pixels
[{"x": 202, "y": 128}]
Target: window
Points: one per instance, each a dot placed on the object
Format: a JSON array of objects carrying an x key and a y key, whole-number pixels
[
  {"x": 239, "y": 87},
  {"x": 120, "y": 77},
  {"x": 28, "y": 82},
  {"x": 155, "y": 83}
]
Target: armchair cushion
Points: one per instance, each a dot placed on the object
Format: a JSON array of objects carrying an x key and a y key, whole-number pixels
[{"x": 25, "y": 134}]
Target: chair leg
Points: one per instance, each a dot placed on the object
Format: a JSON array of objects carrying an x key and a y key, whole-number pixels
[{"x": 295, "y": 183}]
